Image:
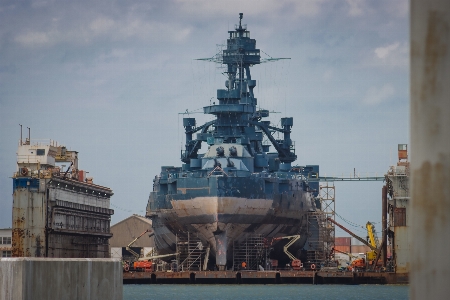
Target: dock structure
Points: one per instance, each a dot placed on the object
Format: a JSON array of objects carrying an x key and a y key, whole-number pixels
[
  {"x": 60, "y": 278},
  {"x": 57, "y": 211},
  {"x": 264, "y": 277}
]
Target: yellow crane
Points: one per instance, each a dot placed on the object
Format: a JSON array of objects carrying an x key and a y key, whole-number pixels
[{"x": 373, "y": 241}]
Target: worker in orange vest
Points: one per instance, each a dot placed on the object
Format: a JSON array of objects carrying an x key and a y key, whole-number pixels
[{"x": 244, "y": 265}]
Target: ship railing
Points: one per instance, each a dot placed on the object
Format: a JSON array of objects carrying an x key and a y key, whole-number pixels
[
  {"x": 244, "y": 26},
  {"x": 39, "y": 142}
]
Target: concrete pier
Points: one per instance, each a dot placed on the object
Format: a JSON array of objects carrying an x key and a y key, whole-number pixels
[
  {"x": 430, "y": 149},
  {"x": 60, "y": 278}
]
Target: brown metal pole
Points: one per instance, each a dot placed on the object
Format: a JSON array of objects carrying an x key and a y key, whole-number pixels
[{"x": 384, "y": 223}]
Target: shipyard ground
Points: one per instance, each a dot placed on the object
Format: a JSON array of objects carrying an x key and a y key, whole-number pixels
[{"x": 264, "y": 277}]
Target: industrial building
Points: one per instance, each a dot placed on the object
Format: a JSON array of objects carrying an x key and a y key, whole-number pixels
[
  {"x": 398, "y": 201},
  {"x": 126, "y": 231},
  {"x": 5, "y": 242},
  {"x": 57, "y": 210}
]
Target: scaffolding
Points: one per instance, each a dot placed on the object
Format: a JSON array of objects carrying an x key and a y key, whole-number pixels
[
  {"x": 251, "y": 250},
  {"x": 321, "y": 230},
  {"x": 191, "y": 252}
]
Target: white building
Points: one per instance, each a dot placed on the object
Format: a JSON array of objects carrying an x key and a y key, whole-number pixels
[{"x": 5, "y": 242}]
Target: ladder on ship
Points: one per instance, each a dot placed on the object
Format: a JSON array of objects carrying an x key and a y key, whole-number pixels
[{"x": 315, "y": 253}]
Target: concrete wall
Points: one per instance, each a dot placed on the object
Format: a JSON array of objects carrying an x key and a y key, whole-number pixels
[{"x": 60, "y": 278}]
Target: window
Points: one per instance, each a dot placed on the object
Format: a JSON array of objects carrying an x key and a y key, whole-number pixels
[
  {"x": 5, "y": 240},
  {"x": 40, "y": 152},
  {"x": 399, "y": 216},
  {"x": 6, "y": 253}
]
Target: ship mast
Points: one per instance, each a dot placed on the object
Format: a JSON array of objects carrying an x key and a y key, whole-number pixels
[{"x": 237, "y": 118}]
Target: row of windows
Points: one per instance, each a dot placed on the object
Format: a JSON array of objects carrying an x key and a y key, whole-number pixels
[
  {"x": 232, "y": 53},
  {"x": 6, "y": 253},
  {"x": 5, "y": 240}
]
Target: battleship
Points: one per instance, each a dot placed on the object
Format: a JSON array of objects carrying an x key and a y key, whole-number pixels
[{"x": 237, "y": 187}]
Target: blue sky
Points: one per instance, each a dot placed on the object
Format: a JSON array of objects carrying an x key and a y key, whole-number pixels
[{"x": 109, "y": 79}]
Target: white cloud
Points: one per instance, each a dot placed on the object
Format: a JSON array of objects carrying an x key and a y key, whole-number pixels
[
  {"x": 327, "y": 75},
  {"x": 383, "y": 52},
  {"x": 398, "y": 8},
  {"x": 157, "y": 31},
  {"x": 87, "y": 32},
  {"x": 207, "y": 7},
  {"x": 101, "y": 25},
  {"x": 376, "y": 95},
  {"x": 33, "y": 38},
  {"x": 395, "y": 54},
  {"x": 356, "y": 7}
]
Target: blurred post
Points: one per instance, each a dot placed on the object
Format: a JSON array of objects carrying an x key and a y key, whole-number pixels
[{"x": 430, "y": 149}]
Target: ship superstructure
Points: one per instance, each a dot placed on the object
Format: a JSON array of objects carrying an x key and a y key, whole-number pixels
[
  {"x": 237, "y": 187},
  {"x": 57, "y": 210}
]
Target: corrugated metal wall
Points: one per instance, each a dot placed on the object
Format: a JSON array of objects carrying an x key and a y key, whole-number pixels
[
  {"x": 57, "y": 218},
  {"x": 127, "y": 230},
  {"x": 343, "y": 241}
]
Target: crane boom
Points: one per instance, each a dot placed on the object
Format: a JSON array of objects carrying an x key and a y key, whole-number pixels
[
  {"x": 132, "y": 242},
  {"x": 346, "y": 253},
  {"x": 293, "y": 239},
  {"x": 371, "y": 233},
  {"x": 353, "y": 235},
  {"x": 157, "y": 256}
]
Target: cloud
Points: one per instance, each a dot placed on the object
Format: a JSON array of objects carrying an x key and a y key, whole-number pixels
[
  {"x": 398, "y": 8},
  {"x": 395, "y": 54},
  {"x": 355, "y": 7},
  {"x": 207, "y": 7},
  {"x": 376, "y": 95},
  {"x": 383, "y": 52},
  {"x": 34, "y": 38},
  {"x": 328, "y": 75},
  {"x": 84, "y": 33},
  {"x": 156, "y": 31},
  {"x": 101, "y": 25}
]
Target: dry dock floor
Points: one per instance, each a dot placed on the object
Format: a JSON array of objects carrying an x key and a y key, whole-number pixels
[{"x": 263, "y": 277}]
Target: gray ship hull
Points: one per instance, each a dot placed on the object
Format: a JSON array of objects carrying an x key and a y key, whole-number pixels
[{"x": 219, "y": 220}]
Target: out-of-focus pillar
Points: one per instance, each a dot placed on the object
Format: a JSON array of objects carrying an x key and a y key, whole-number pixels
[{"x": 430, "y": 149}]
